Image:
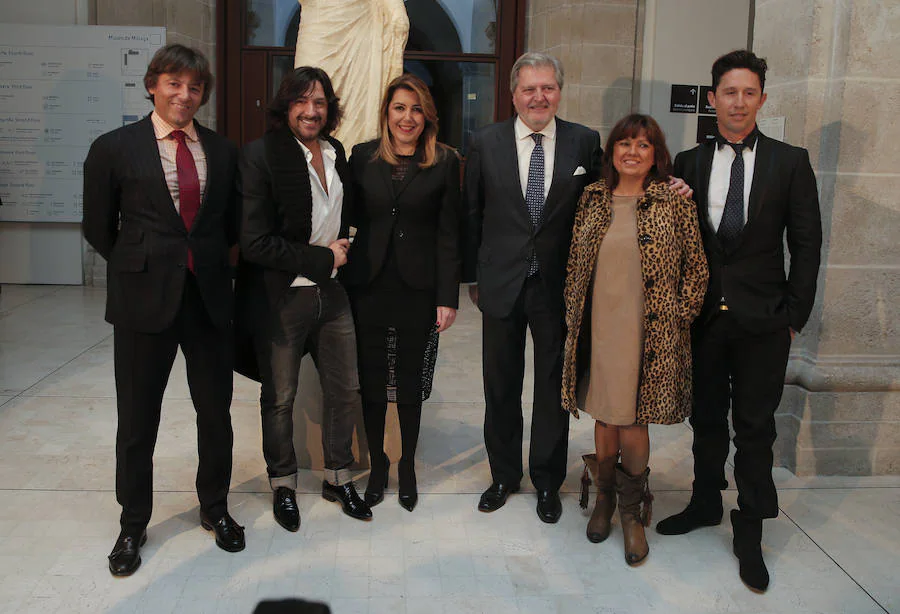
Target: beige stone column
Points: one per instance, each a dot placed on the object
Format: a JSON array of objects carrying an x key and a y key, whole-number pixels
[
  {"x": 595, "y": 40},
  {"x": 834, "y": 75}
]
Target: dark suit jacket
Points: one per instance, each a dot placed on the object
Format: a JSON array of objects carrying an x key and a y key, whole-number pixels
[
  {"x": 499, "y": 234},
  {"x": 751, "y": 276},
  {"x": 130, "y": 219},
  {"x": 276, "y": 223},
  {"x": 419, "y": 219}
]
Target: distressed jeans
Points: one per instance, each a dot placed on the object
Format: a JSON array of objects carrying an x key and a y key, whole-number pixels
[{"x": 316, "y": 318}]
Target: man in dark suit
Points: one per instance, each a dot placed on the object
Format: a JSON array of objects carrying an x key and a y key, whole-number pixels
[
  {"x": 160, "y": 207},
  {"x": 752, "y": 311},
  {"x": 523, "y": 179},
  {"x": 295, "y": 185}
]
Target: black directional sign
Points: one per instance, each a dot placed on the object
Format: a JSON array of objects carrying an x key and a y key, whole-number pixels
[
  {"x": 684, "y": 99},
  {"x": 705, "y": 107},
  {"x": 706, "y": 128}
]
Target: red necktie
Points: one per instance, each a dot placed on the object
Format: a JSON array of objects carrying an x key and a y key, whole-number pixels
[{"x": 188, "y": 185}]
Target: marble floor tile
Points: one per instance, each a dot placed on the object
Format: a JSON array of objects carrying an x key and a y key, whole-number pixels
[{"x": 834, "y": 547}]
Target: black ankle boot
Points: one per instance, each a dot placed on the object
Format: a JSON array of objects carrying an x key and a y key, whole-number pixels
[
  {"x": 409, "y": 495},
  {"x": 704, "y": 510},
  {"x": 378, "y": 481},
  {"x": 748, "y": 550}
]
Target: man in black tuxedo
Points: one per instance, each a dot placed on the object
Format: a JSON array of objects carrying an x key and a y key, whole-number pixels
[
  {"x": 523, "y": 179},
  {"x": 161, "y": 208},
  {"x": 752, "y": 311},
  {"x": 295, "y": 185}
]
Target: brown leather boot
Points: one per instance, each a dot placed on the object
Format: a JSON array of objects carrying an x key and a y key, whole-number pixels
[
  {"x": 634, "y": 491},
  {"x": 598, "y": 526}
]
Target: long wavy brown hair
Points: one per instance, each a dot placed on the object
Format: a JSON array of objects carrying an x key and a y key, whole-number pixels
[{"x": 433, "y": 151}]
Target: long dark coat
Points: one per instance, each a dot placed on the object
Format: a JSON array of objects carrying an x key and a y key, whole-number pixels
[{"x": 674, "y": 273}]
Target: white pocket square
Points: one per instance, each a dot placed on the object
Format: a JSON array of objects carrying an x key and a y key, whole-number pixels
[{"x": 579, "y": 171}]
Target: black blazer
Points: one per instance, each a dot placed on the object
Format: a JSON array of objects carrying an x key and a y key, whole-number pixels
[
  {"x": 499, "y": 235},
  {"x": 419, "y": 219},
  {"x": 130, "y": 219},
  {"x": 276, "y": 223},
  {"x": 751, "y": 276}
]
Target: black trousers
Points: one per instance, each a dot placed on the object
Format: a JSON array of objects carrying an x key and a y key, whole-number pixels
[
  {"x": 746, "y": 373},
  {"x": 143, "y": 362},
  {"x": 503, "y": 357}
]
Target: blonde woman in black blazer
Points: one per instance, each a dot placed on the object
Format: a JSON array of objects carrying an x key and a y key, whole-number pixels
[{"x": 403, "y": 270}]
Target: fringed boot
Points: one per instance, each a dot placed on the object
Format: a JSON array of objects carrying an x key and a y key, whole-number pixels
[
  {"x": 635, "y": 509},
  {"x": 598, "y": 526}
]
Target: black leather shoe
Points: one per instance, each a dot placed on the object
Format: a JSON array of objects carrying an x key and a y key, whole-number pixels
[
  {"x": 702, "y": 511},
  {"x": 284, "y": 507},
  {"x": 125, "y": 557},
  {"x": 495, "y": 496},
  {"x": 229, "y": 534},
  {"x": 409, "y": 493},
  {"x": 351, "y": 504},
  {"x": 378, "y": 481},
  {"x": 549, "y": 507}
]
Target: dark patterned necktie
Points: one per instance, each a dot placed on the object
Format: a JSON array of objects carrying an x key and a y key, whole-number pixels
[
  {"x": 733, "y": 216},
  {"x": 188, "y": 185},
  {"x": 534, "y": 192}
]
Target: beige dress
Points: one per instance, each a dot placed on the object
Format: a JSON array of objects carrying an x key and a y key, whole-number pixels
[{"x": 617, "y": 320}]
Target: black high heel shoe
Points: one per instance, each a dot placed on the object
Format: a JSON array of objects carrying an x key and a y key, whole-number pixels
[
  {"x": 409, "y": 495},
  {"x": 378, "y": 481}
]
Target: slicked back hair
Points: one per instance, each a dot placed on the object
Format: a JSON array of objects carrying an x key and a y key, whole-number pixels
[
  {"x": 740, "y": 58},
  {"x": 536, "y": 59},
  {"x": 300, "y": 82},
  {"x": 630, "y": 127},
  {"x": 174, "y": 59}
]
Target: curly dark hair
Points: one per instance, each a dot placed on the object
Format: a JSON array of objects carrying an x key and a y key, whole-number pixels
[
  {"x": 296, "y": 84},
  {"x": 633, "y": 126},
  {"x": 174, "y": 59},
  {"x": 740, "y": 58}
]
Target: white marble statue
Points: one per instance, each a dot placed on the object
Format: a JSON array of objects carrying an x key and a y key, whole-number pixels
[{"x": 359, "y": 43}]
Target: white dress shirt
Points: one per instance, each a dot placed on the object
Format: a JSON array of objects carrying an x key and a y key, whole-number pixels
[
  {"x": 326, "y": 206},
  {"x": 524, "y": 147},
  {"x": 720, "y": 179}
]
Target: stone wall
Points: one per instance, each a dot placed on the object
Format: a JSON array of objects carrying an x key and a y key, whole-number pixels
[
  {"x": 836, "y": 80},
  {"x": 189, "y": 22},
  {"x": 595, "y": 40}
]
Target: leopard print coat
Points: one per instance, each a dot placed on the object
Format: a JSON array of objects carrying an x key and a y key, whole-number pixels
[{"x": 675, "y": 274}]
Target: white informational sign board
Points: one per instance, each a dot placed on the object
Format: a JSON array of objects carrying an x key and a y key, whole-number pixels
[{"x": 60, "y": 88}]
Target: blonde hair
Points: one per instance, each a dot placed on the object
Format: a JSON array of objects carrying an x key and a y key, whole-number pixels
[{"x": 427, "y": 140}]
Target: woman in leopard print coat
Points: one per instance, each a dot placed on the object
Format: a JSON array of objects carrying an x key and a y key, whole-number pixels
[{"x": 650, "y": 279}]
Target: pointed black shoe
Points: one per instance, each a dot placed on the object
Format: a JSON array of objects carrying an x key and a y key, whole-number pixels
[
  {"x": 125, "y": 557},
  {"x": 378, "y": 482},
  {"x": 284, "y": 508},
  {"x": 351, "y": 503},
  {"x": 701, "y": 511},
  {"x": 549, "y": 507},
  {"x": 229, "y": 534},
  {"x": 495, "y": 496},
  {"x": 409, "y": 493},
  {"x": 748, "y": 550}
]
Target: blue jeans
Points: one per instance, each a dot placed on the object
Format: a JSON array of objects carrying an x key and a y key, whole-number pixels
[{"x": 316, "y": 318}]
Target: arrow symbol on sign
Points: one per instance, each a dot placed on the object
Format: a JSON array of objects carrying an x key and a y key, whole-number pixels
[{"x": 693, "y": 91}]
